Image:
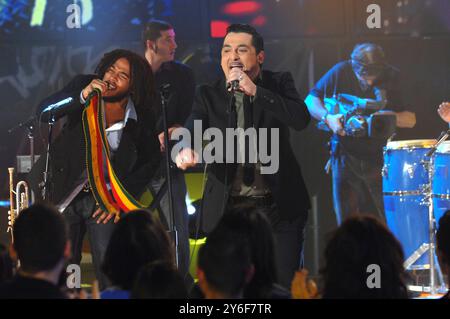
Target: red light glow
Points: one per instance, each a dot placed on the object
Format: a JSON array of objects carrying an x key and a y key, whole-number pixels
[
  {"x": 219, "y": 28},
  {"x": 240, "y": 8},
  {"x": 259, "y": 21}
]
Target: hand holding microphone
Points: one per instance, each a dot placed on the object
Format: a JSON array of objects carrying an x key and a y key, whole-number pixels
[
  {"x": 238, "y": 80},
  {"x": 103, "y": 86},
  {"x": 235, "y": 75}
]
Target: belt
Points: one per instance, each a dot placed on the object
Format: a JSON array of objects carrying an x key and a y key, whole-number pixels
[{"x": 258, "y": 201}]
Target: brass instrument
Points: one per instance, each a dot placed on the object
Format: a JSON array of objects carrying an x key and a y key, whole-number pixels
[{"x": 21, "y": 202}]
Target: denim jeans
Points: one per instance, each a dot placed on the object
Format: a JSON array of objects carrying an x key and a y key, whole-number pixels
[
  {"x": 357, "y": 187},
  {"x": 79, "y": 218}
]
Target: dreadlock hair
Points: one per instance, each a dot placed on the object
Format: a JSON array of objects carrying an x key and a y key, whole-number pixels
[{"x": 142, "y": 83}]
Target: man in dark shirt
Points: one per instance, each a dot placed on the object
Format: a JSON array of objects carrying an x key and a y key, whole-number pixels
[
  {"x": 357, "y": 160},
  {"x": 42, "y": 246},
  {"x": 160, "y": 46}
]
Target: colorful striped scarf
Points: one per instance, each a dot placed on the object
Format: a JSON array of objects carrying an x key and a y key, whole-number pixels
[{"x": 114, "y": 199}]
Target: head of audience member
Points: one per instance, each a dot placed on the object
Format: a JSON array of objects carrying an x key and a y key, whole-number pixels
[
  {"x": 159, "y": 41},
  {"x": 368, "y": 62},
  {"x": 139, "y": 238},
  {"x": 253, "y": 226},
  {"x": 41, "y": 243},
  {"x": 443, "y": 243},
  {"x": 242, "y": 43},
  {"x": 6, "y": 265},
  {"x": 159, "y": 280},
  {"x": 224, "y": 266},
  {"x": 363, "y": 260},
  {"x": 129, "y": 76}
]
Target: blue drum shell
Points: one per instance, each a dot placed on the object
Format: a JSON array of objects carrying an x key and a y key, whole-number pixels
[
  {"x": 408, "y": 218},
  {"x": 441, "y": 177},
  {"x": 404, "y": 170}
]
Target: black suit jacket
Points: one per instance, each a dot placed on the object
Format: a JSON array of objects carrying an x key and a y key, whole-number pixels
[
  {"x": 135, "y": 161},
  {"x": 277, "y": 105}
]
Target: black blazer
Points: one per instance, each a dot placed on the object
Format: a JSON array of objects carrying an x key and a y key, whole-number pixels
[
  {"x": 277, "y": 105},
  {"x": 135, "y": 161}
]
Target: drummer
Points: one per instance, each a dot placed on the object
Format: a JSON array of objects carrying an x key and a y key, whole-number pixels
[{"x": 357, "y": 159}]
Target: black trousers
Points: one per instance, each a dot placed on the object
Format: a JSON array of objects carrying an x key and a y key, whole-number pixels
[
  {"x": 289, "y": 240},
  {"x": 79, "y": 218}
]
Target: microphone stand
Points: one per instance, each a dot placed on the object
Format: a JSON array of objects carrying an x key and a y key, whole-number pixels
[
  {"x": 29, "y": 124},
  {"x": 45, "y": 182},
  {"x": 444, "y": 136},
  {"x": 164, "y": 92},
  {"x": 427, "y": 162}
]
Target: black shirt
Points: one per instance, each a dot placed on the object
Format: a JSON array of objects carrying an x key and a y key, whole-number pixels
[
  {"x": 181, "y": 92},
  {"x": 28, "y": 288},
  {"x": 341, "y": 79}
]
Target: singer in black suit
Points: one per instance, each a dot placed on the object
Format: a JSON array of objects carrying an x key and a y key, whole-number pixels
[
  {"x": 127, "y": 85},
  {"x": 263, "y": 99}
]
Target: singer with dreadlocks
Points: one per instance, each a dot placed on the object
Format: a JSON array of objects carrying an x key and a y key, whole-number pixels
[{"x": 106, "y": 153}]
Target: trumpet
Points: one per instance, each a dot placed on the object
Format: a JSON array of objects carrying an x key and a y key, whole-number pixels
[{"x": 21, "y": 201}]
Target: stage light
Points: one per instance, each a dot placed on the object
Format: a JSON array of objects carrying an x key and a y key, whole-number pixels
[
  {"x": 38, "y": 13},
  {"x": 259, "y": 21},
  {"x": 4, "y": 203},
  {"x": 37, "y": 18},
  {"x": 191, "y": 209},
  {"x": 87, "y": 11},
  {"x": 219, "y": 28},
  {"x": 240, "y": 8}
]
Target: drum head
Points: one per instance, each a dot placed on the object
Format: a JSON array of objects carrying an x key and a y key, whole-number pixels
[{"x": 411, "y": 144}]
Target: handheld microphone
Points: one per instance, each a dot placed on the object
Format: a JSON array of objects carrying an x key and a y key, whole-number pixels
[
  {"x": 234, "y": 85},
  {"x": 108, "y": 87}
]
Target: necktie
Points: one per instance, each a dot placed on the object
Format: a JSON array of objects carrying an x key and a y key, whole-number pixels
[{"x": 249, "y": 168}]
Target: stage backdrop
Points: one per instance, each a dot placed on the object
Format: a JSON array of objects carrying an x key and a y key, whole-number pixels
[{"x": 43, "y": 45}]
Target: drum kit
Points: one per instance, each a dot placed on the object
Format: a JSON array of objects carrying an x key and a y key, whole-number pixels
[{"x": 416, "y": 191}]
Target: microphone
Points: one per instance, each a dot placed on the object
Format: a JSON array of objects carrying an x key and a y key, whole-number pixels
[
  {"x": 234, "y": 85},
  {"x": 108, "y": 87},
  {"x": 58, "y": 105}
]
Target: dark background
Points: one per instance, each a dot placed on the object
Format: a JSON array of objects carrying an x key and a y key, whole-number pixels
[{"x": 305, "y": 37}]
